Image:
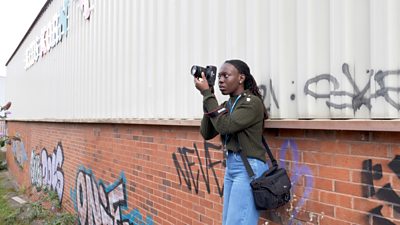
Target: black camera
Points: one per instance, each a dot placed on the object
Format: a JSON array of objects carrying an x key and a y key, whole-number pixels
[{"x": 210, "y": 72}]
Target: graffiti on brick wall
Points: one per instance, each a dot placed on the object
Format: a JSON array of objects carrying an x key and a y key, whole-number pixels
[
  {"x": 36, "y": 170},
  {"x": 186, "y": 168},
  {"x": 288, "y": 214},
  {"x": 97, "y": 203},
  {"x": 19, "y": 152},
  {"x": 297, "y": 172},
  {"x": 360, "y": 95},
  {"x": 390, "y": 198},
  {"x": 46, "y": 170}
]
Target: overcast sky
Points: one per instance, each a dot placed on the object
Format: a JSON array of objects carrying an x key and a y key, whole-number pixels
[{"x": 16, "y": 16}]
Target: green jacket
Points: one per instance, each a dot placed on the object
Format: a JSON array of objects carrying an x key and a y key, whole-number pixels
[{"x": 244, "y": 123}]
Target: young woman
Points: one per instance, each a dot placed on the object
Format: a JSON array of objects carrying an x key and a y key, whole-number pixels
[{"x": 240, "y": 122}]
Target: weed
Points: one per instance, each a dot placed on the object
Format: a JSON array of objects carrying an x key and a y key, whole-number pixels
[
  {"x": 3, "y": 165},
  {"x": 52, "y": 197},
  {"x": 62, "y": 219},
  {"x": 22, "y": 190},
  {"x": 11, "y": 219},
  {"x": 38, "y": 211},
  {"x": 7, "y": 213}
]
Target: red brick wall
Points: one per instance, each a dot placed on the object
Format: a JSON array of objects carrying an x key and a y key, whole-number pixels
[{"x": 169, "y": 175}]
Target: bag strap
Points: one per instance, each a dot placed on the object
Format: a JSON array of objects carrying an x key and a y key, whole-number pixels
[
  {"x": 243, "y": 155},
  {"x": 271, "y": 156}
]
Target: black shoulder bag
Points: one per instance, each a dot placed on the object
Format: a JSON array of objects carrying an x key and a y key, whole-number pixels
[{"x": 272, "y": 189}]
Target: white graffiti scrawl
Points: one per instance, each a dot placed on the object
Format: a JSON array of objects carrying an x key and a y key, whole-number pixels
[
  {"x": 36, "y": 170},
  {"x": 97, "y": 204},
  {"x": 46, "y": 171}
]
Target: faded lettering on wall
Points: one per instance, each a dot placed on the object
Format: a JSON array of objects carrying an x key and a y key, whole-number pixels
[
  {"x": 86, "y": 7},
  {"x": 19, "y": 152},
  {"x": 51, "y": 35}
]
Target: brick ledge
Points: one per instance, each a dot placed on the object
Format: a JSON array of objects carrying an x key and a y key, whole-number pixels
[
  {"x": 312, "y": 124},
  {"x": 327, "y": 124}
]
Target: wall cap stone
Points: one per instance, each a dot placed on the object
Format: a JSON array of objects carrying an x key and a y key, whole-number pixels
[
  {"x": 312, "y": 124},
  {"x": 332, "y": 124}
]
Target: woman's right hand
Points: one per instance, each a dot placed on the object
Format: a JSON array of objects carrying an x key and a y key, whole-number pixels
[{"x": 201, "y": 83}]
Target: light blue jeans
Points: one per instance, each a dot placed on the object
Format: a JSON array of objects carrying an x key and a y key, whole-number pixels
[{"x": 239, "y": 207}]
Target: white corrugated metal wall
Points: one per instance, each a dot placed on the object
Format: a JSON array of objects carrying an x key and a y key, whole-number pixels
[
  {"x": 2, "y": 90},
  {"x": 131, "y": 59},
  {"x": 3, "y": 127}
]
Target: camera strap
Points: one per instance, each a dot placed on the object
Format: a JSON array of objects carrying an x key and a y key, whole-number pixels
[{"x": 216, "y": 112}]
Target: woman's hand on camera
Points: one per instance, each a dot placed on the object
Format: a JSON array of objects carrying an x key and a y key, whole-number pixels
[{"x": 201, "y": 83}]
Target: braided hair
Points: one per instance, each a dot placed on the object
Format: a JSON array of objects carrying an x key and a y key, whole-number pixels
[{"x": 249, "y": 81}]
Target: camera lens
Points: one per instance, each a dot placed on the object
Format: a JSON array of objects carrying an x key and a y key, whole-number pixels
[{"x": 193, "y": 70}]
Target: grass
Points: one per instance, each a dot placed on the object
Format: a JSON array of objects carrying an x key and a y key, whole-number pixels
[
  {"x": 11, "y": 214},
  {"x": 8, "y": 214}
]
